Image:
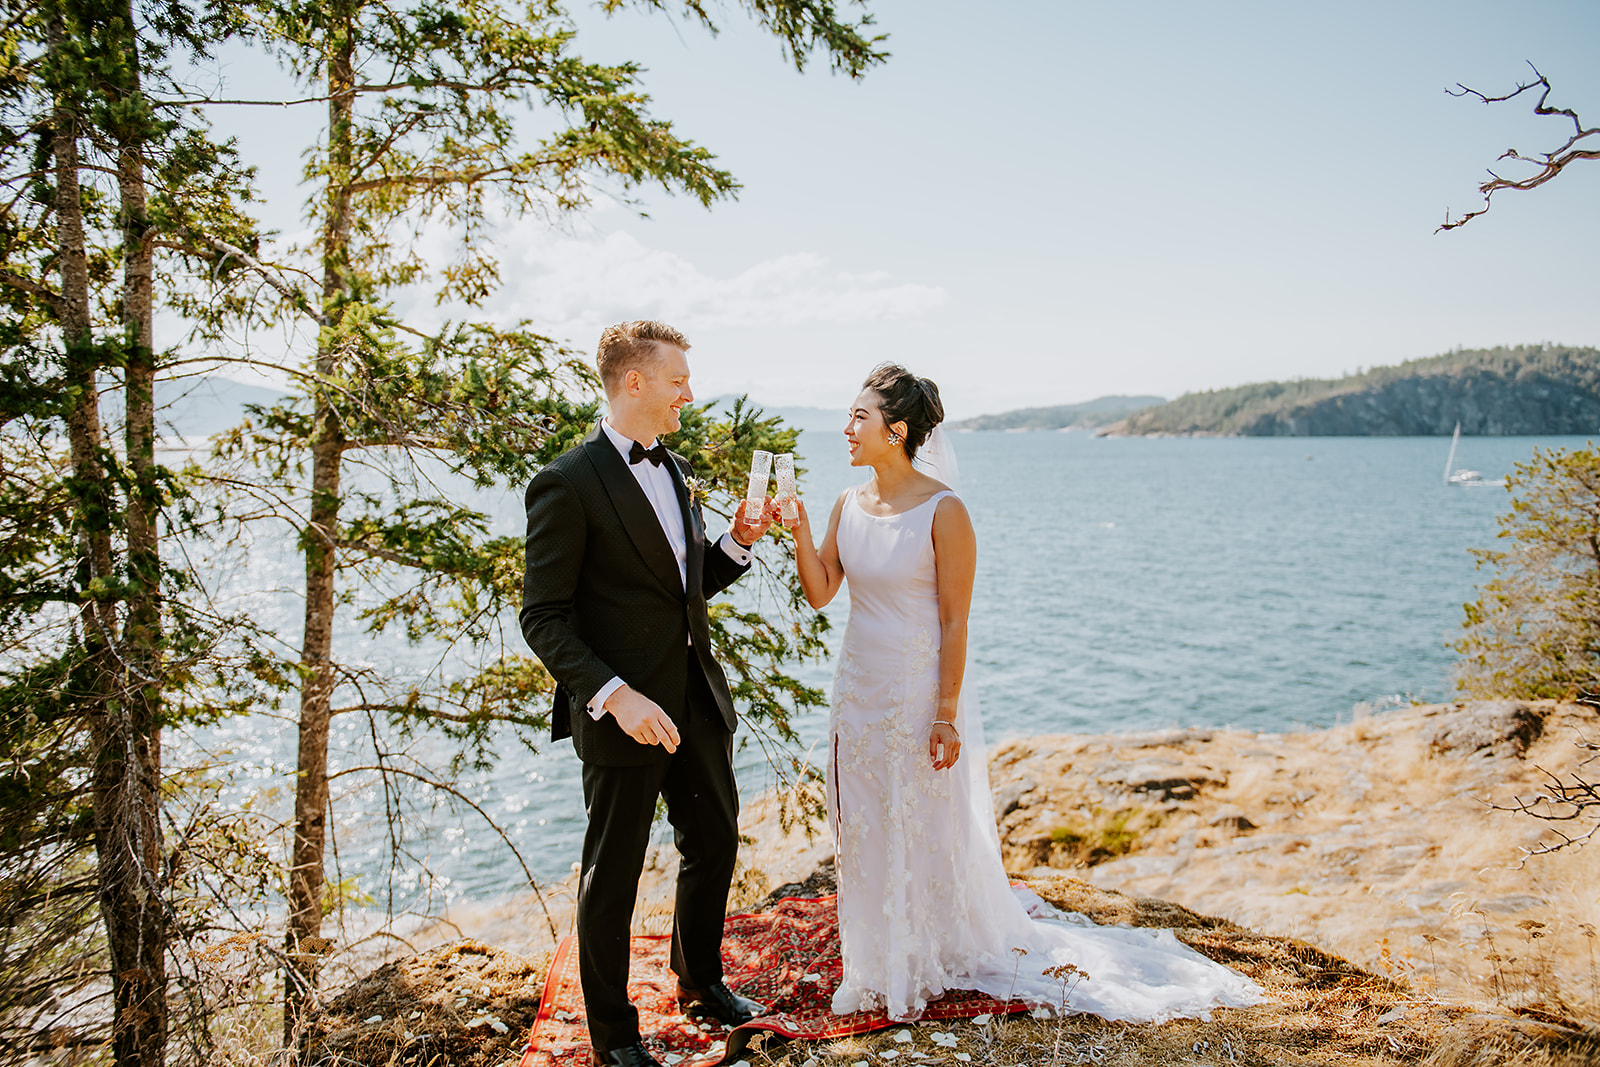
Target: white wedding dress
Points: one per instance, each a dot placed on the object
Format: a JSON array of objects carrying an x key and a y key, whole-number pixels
[{"x": 924, "y": 903}]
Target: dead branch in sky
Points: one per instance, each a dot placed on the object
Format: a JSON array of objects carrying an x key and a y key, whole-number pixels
[{"x": 1548, "y": 164}]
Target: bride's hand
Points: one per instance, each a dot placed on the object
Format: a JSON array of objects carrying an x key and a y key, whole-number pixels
[
  {"x": 944, "y": 746},
  {"x": 801, "y": 522}
]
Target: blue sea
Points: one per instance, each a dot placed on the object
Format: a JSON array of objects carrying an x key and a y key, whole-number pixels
[{"x": 1123, "y": 584}]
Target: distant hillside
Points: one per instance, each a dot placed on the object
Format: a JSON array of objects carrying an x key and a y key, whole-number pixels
[
  {"x": 1089, "y": 415},
  {"x": 195, "y": 408},
  {"x": 1529, "y": 389},
  {"x": 200, "y": 407},
  {"x": 804, "y": 418}
]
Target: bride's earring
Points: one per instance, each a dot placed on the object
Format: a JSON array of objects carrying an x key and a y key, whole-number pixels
[{"x": 894, "y": 439}]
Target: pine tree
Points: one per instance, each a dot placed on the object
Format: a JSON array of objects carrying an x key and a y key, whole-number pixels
[
  {"x": 95, "y": 177},
  {"x": 1534, "y": 630},
  {"x": 432, "y": 141}
]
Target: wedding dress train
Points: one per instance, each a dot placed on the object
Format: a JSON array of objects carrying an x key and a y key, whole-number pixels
[{"x": 924, "y": 902}]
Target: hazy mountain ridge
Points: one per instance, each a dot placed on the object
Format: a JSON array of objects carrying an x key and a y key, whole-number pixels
[
  {"x": 196, "y": 408},
  {"x": 1089, "y": 415},
  {"x": 1502, "y": 391}
]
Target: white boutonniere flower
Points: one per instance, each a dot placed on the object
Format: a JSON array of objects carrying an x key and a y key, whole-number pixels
[{"x": 697, "y": 490}]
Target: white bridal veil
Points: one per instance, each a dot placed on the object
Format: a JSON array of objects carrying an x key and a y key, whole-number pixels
[{"x": 937, "y": 459}]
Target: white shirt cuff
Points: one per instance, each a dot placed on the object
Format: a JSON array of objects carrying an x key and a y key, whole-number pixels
[
  {"x": 597, "y": 706},
  {"x": 735, "y": 551}
]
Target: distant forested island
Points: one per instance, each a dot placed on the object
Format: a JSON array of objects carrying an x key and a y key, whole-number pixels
[
  {"x": 1090, "y": 415},
  {"x": 1529, "y": 389}
]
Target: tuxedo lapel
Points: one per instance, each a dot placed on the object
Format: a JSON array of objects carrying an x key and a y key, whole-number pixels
[
  {"x": 694, "y": 533},
  {"x": 638, "y": 518}
]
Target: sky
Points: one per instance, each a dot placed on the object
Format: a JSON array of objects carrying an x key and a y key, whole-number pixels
[{"x": 1037, "y": 202}]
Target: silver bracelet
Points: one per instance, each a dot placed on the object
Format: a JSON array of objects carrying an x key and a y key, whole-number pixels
[{"x": 946, "y": 722}]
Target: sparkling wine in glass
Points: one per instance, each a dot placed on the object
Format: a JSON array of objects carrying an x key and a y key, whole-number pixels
[
  {"x": 755, "y": 490},
  {"x": 787, "y": 497}
]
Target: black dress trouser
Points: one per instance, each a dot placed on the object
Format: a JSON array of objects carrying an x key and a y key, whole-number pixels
[{"x": 703, "y": 809}]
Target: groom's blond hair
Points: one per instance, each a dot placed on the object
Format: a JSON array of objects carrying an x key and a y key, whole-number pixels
[{"x": 632, "y": 346}]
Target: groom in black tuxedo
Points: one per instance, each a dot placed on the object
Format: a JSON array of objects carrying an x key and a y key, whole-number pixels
[{"x": 614, "y": 604}]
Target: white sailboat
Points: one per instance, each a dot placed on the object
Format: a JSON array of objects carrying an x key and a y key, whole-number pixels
[{"x": 1453, "y": 476}]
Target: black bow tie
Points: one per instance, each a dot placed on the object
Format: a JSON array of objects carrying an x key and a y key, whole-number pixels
[{"x": 656, "y": 455}]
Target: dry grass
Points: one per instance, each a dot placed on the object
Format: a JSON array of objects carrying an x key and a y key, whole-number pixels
[{"x": 465, "y": 1004}]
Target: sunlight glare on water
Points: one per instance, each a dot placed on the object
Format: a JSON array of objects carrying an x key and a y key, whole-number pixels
[{"x": 1123, "y": 584}]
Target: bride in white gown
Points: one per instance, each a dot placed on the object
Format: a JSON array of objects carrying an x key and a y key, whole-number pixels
[{"x": 924, "y": 903}]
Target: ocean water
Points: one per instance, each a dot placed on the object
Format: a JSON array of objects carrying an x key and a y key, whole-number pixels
[{"x": 1122, "y": 584}]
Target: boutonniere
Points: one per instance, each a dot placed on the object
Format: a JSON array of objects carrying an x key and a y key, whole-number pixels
[{"x": 697, "y": 490}]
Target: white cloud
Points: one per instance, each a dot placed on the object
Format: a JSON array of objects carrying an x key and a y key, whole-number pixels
[{"x": 569, "y": 285}]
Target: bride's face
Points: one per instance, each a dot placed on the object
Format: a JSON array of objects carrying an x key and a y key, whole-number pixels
[{"x": 866, "y": 432}]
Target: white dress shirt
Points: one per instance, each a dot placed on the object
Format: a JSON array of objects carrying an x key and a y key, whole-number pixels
[{"x": 656, "y": 481}]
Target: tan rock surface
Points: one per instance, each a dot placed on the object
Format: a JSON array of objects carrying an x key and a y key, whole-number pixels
[{"x": 1375, "y": 840}]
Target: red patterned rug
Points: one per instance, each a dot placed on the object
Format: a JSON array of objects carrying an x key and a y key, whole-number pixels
[{"x": 787, "y": 957}]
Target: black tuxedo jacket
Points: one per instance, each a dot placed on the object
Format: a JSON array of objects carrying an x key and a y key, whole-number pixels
[{"x": 601, "y": 597}]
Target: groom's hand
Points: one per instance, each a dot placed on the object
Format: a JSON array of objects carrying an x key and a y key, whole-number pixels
[
  {"x": 642, "y": 718},
  {"x": 748, "y": 531}
]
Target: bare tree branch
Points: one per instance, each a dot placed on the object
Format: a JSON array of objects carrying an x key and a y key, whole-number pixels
[
  {"x": 445, "y": 787},
  {"x": 270, "y": 275},
  {"x": 1549, "y": 164},
  {"x": 1564, "y": 802}
]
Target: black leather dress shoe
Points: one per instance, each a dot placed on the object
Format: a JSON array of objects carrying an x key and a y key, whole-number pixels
[
  {"x": 634, "y": 1055},
  {"x": 721, "y": 1003}
]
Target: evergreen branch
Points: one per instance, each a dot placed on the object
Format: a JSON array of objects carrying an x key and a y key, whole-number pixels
[
  {"x": 499, "y": 82},
  {"x": 33, "y": 288},
  {"x": 433, "y": 713},
  {"x": 376, "y": 153},
  {"x": 434, "y": 180},
  {"x": 400, "y": 439},
  {"x": 398, "y": 558}
]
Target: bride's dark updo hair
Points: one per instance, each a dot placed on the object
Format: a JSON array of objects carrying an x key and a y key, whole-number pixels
[{"x": 908, "y": 399}]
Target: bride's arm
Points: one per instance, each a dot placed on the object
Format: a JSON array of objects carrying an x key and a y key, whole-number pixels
[
  {"x": 955, "y": 560},
  {"x": 820, "y": 571}
]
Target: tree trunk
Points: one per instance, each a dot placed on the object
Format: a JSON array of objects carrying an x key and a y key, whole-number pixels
[
  {"x": 304, "y": 938},
  {"x": 128, "y": 773},
  {"x": 122, "y": 734}
]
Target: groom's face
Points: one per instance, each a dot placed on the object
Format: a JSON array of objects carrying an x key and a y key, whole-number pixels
[{"x": 664, "y": 388}]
